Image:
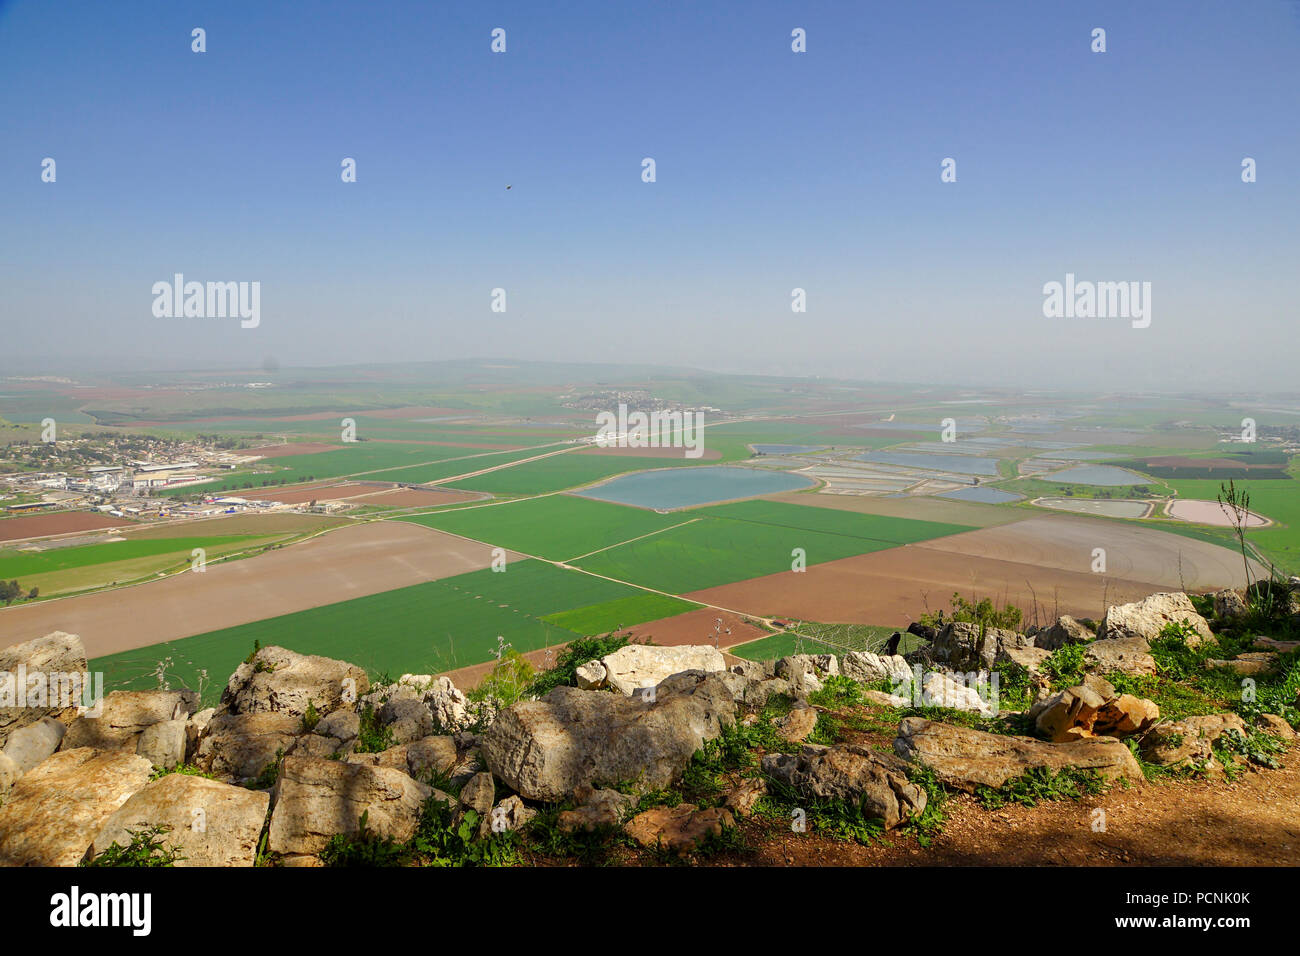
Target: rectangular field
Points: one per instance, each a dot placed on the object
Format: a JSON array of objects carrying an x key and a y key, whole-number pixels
[
  {"x": 558, "y": 527},
  {"x": 560, "y": 472},
  {"x": 425, "y": 628}
]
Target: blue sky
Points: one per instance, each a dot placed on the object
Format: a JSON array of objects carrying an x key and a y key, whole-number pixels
[{"x": 775, "y": 170}]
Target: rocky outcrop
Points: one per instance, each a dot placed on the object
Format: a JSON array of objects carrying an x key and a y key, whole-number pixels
[
  {"x": 1065, "y": 631},
  {"x": 965, "y": 759},
  {"x": 596, "y": 809},
  {"x": 316, "y": 799},
  {"x": 1121, "y": 655},
  {"x": 545, "y": 749},
  {"x": 1252, "y": 664},
  {"x": 962, "y": 646},
  {"x": 125, "y": 715},
  {"x": 1188, "y": 741},
  {"x": 797, "y": 724},
  {"x": 1148, "y": 617},
  {"x": 54, "y": 811},
  {"x": 56, "y": 653},
  {"x": 1229, "y": 605},
  {"x": 866, "y": 667},
  {"x": 209, "y": 823},
  {"x": 875, "y": 781},
  {"x": 1092, "y": 709},
  {"x": 239, "y": 747},
  {"x": 680, "y": 829},
  {"x": 638, "y": 666},
  {"x": 280, "y": 681},
  {"x": 31, "y": 744}
]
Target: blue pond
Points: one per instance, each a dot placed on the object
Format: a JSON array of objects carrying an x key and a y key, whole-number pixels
[
  {"x": 1107, "y": 475},
  {"x": 955, "y": 464},
  {"x": 672, "y": 488}
]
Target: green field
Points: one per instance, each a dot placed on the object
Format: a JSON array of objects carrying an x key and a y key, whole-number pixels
[
  {"x": 722, "y": 550},
  {"x": 26, "y": 564},
  {"x": 1279, "y": 500},
  {"x": 558, "y": 527},
  {"x": 423, "y": 629},
  {"x": 838, "y": 640},
  {"x": 620, "y": 613},
  {"x": 560, "y": 472}
]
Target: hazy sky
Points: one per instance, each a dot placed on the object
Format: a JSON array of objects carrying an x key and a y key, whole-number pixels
[{"x": 775, "y": 170}]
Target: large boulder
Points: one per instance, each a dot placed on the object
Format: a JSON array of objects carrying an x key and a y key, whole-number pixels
[
  {"x": 1188, "y": 741},
  {"x": 680, "y": 829},
  {"x": 53, "y": 812},
  {"x": 319, "y": 798},
  {"x": 125, "y": 715},
  {"x": 165, "y": 744},
  {"x": 238, "y": 747},
  {"x": 875, "y": 781},
  {"x": 210, "y": 823},
  {"x": 30, "y": 745},
  {"x": 1229, "y": 605},
  {"x": 965, "y": 759},
  {"x": 281, "y": 681},
  {"x": 1092, "y": 709},
  {"x": 546, "y": 749},
  {"x": 1148, "y": 617},
  {"x": 1120, "y": 655},
  {"x": 867, "y": 668},
  {"x": 56, "y": 653},
  {"x": 963, "y": 646},
  {"x": 1066, "y": 630},
  {"x": 635, "y": 666},
  {"x": 939, "y": 689}
]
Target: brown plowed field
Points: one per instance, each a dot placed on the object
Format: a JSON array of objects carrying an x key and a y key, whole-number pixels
[
  {"x": 897, "y": 586},
  {"x": 1066, "y": 543},
  {"x": 58, "y": 522},
  {"x": 351, "y": 562},
  {"x": 696, "y": 627}
]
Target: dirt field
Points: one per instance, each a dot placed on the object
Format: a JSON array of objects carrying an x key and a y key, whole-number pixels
[
  {"x": 251, "y": 522},
  {"x": 59, "y": 522},
  {"x": 351, "y": 562},
  {"x": 293, "y": 448},
  {"x": 926, "y": 509},
  {"x": 696, "y": 627},
  {"x": 1066, "y": 543},
  {"x": 363, "y": 493},
  {"x": 417, "y": 497},
  {"x": 895, "y": 587}
]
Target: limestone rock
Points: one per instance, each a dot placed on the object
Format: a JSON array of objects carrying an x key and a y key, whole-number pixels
[
  {"x": 1188, "y": 740},
  {"x": 478, "y": 795},
  {"x": 643, "y": 665},
  {"x": 590, "y": 676},
  {"x": 1229, "y": 604},
  {"x": 57, "y": 653},
  {"x": 434, "y": 755},
  {"x": 1248, "y": 665},
  {"x": 876, "y": 781},
  {"x": 511, "y": 814},
  {"x": 53, "y": 812},
  {"x": 407, "y": 720},
  {"x": 596, "y": 808},
  {"x": 680, "y": 829},
  {"x": 965, "y": 759},
  {"x": 545, "y": 749},
  {"x": 212, "y": 823},
  {"x": 742, "y": 798},
  {"x": 1066, "y": 630},
  {"x": 240, "y": 746},
  {"x": 29, "y": 745},
  {"x": 284, "y": 682},
  {"x": 797, "y": 724},
  {"x": 941, "y": 690},
  {"x": 1120, "y": 655},
  {"x": 866, "y": 667},
  {"x": 164, "y": 744},
  {"x": 1148, "y": 617},
  {"x": 316, "y": 799},
  {"x": 960, "y": 645},
  {"x": 1273, "y": 724},
  {"x": 342, "y": 725},
  {"x": 9, "y": 774},
  {"x": 124, "y": 716}
]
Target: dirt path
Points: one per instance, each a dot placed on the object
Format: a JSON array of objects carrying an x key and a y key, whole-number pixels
[{"x": 1253, "y": 822}]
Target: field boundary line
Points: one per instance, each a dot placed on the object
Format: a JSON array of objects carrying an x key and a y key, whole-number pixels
[{"x": 650, "y": 534}]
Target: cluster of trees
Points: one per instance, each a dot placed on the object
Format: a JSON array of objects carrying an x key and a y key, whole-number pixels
[{"x": 11, "y": 591}]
